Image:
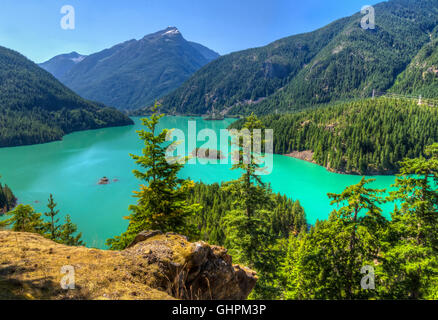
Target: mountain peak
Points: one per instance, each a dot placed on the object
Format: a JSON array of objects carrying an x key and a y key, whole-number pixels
[{"x": 171, "y": 31}]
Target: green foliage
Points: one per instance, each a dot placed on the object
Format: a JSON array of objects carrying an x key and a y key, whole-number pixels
[
  {"x": 51, "y": 225},
  {"x": 281, "y": 218},
  {"x": 245, "y": 232},
  {"x": 67, "y": 233},
  {"x": 25, "y": 219},
  {"x": 420, "y": 77},
  {"x": 411, "y": 268},
  {"x": 365, "y": 137},
  {"x": 326, "y": 262},
  {"x": 162, "y": 202},
  {"x": 36, "y": 108},
  {"x": 284, "y": 216},
  {"x": 7, "y": 199}
]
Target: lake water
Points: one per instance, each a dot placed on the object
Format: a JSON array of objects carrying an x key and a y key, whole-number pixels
[{"x": 70, "y": 170}]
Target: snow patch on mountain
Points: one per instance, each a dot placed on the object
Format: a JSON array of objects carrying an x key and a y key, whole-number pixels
[{"x": 172, "y": 31}]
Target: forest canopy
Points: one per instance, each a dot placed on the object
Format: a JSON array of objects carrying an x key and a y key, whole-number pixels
[{"x": 360, "y": 137}]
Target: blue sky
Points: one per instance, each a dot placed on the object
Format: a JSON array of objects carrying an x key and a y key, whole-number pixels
[{"x": 32, "y": 27}]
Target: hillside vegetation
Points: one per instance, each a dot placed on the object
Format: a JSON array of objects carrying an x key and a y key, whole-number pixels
[
  {"x": 36, "y": 108},
  {"x": 337, "y": 62},
  {"x": 361, "y": 137},
  {"x": 421, "y": 76},
  {"x": 264, "y": 231}
]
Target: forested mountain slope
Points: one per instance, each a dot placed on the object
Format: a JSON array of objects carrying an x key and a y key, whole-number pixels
[
  {"x": 249, "y": 75},
  {"x": 337, "y": 62},
  {"x": 361, "y": 137},
  {"x": 37, "y": 108},
  {"x": 421, "y": 76},
  {"x": 135, "y": 73}
]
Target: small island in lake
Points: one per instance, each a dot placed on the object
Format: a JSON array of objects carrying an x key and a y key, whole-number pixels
[
  {"x": 104, "y": 180},
  {"x": 202, "y": 153},
  {"x": 214, "y": 117}
]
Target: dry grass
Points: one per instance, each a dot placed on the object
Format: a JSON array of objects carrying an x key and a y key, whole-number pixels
[
  {"x": 165, "y": 266},
  {"x": 30, "y": 268}
]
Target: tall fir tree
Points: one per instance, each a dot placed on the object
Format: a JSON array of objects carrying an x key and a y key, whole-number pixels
[
  {"x": 52, "y": 226},
  {"x": 411, "y": 255},
  {"x": 68, "y": 235},
  {"x": 162, "y": 200},
  {"x": 326, "y": 262}
]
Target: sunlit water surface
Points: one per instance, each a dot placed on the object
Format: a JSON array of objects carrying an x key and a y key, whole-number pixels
[{"x": 70, "y": 170}]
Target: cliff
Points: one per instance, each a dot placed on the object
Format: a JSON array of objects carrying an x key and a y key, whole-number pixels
[{"x": 155, "y": 267}]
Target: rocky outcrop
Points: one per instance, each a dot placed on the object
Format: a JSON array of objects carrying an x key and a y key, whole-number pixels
[
  {"x": 103, "y": 180},
  {"x": 306, "y": 155},
  {"x": 202, "y": 153},
  {"x": 155, "y": 266}
]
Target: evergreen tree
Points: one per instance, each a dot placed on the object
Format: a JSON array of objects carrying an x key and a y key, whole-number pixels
[
  {"x": 66, "y": 234},
  {"x": 411, "y": 268},
  {"x": 244, "y": 230},
  {"x": 25, "y": 219},
  {"x": 51, "y": 225},
  {"x": 247, "y": 230},
  {"x": 162, "y": 203},
  {"x": 326, "y": 262},
  {"x": 7, "y": 199}
]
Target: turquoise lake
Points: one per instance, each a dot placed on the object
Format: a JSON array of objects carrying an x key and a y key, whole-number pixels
[{"x": 70, "y": 170}]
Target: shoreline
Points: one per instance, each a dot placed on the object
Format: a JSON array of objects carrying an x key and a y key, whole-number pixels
[
  {"x": 66, "y": 134},
  {"x": 307, "y": 155}
]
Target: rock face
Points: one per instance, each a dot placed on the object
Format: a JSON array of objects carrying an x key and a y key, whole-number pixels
[
  {"x": 198, "y": 271},
  {"x": 156, "y": 266},
  {"x": 104, "y": 180}
]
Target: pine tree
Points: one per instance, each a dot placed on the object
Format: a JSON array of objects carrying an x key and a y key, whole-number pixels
[
  {"x": 162, "y": 201},
  {"x": 244, "y": 230},
  {"x": 66, "y": 234},
  {"x": 51, "y": 225},
  {"x": 358, "y": 199},
  {"x": 325, "y": 263},
  {"x": 25, "y": 219},
  {"x": 411, "y": 268}
]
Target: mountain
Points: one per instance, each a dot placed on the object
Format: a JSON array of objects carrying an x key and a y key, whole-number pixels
[
  {"x": 337, "y": 62},
  {"x": 421, "y": 75},
  {"x": 135, "y": 73},
  {"x": 37, "y": 108},
  {"x": 60, "y": 65},
  {"x": 208, "y": 54}
]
